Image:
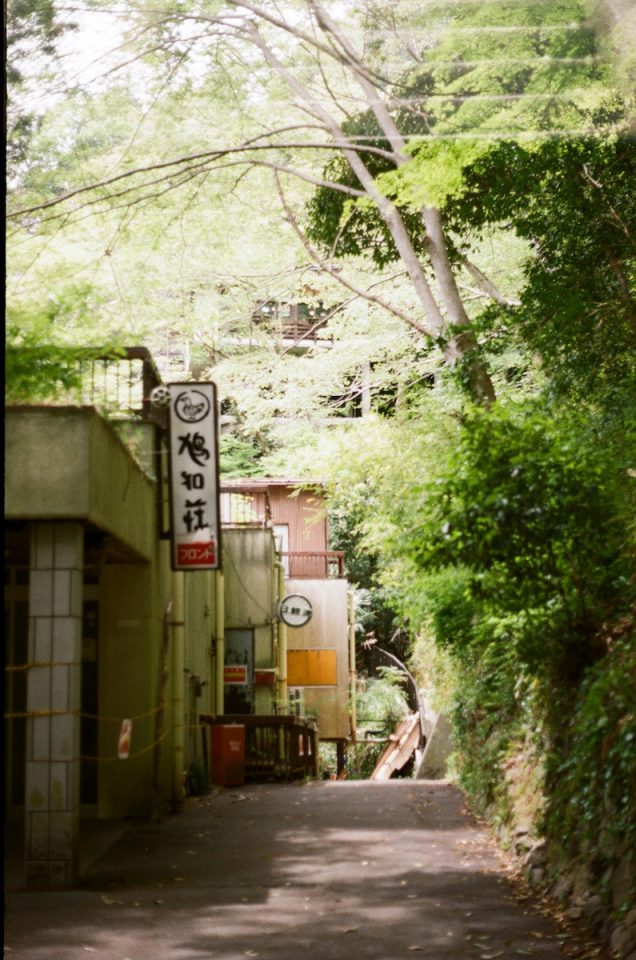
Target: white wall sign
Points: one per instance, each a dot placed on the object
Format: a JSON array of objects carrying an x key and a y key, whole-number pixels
[
  {"x": 194, "y": 477},
  {"x": 295, "y": 610}
]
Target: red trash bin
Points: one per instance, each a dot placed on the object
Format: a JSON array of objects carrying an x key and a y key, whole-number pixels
[{"x": 227, "y": 753}]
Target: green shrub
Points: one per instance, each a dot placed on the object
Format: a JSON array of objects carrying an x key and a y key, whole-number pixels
[
  {"x": 592, "y": 807},
  {"x": 522, "y": 540}
]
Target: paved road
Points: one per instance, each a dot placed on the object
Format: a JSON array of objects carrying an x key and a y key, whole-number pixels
[{"x": 318, "y": 871}]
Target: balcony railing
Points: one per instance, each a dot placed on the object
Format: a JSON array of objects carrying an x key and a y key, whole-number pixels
[
  {"x": 119, "y": 383},
  {"x": 299, "y": 331},
  {"x": 314, "y": 564},
  {"x": 295, "y": 321},
  {"x": 245, "y": 509},
  {"x": 122, "y": 385},
  {"x": 276, "y": 748}
]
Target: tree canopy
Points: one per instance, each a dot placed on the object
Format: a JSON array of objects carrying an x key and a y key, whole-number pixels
[{"x": 381, "y": 98}]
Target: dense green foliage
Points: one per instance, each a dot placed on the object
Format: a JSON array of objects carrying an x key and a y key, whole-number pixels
[
  {"x": 529, "y": 506},
  {"x": 374, "y": 603},
  {"x": 593, "y": 784},
  {"x": 574, "y": 202},
  {"x": 484, "y": 71},
  {"x": 510, "y": 537},
  {"x": 238, "y": 457}
]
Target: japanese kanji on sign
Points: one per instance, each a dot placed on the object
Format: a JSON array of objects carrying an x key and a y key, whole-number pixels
[{"x": 194, "y": 477}]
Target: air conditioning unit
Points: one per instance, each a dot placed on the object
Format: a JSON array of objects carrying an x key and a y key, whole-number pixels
[{"x": 296, "y": 696}]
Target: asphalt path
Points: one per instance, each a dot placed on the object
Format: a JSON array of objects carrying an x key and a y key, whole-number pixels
[{"x": 315, "y": 871}]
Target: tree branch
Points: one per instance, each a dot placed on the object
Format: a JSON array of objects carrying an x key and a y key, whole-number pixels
[
  {"x": 313, "y": 253},
  {"x": 486, "y": 286},
  {"x": 207, "y": 155},
  {"x": 388, "y": 211},
  {"x": 295, "y": 31}
]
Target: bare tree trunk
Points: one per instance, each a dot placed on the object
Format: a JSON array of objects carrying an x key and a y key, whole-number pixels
[{"x": 461, "y": 345}]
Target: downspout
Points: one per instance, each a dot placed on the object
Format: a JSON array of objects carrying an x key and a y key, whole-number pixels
[
  {"x": 353, "y": 676},
  {"x": 178, "y": 690},
  {"x": 282, "y": 699},
  {"x": 219, "y": 637}
]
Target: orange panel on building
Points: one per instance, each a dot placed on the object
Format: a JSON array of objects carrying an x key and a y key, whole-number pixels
[{"x": 312, "y": 668}]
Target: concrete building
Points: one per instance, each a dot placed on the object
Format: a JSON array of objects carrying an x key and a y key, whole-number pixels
[
  {"x": 112, "y": 658},
  {"x": 109, "y": 654}
]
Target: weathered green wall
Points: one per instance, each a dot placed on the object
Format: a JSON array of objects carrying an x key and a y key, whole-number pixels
[
  {"x": 68, "y": 463},
  {"x": 128, "y": 678},
  {"x": 134, "y": 599},
  {"x": 198, "y": 659},
  {"x": 250, "y": 596}
]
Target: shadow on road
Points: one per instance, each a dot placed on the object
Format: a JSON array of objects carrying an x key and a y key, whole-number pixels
[{"x": 331, "y": 871}]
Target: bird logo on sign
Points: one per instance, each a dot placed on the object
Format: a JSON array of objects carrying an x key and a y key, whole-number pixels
[{"x": 191, "y": 406}]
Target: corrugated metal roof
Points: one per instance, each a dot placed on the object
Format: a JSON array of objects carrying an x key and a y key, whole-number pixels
[{"x": 260, "y": 483}]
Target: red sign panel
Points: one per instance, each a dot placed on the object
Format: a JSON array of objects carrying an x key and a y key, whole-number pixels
[
  {"x": 236, "y": 673},
  {"x": 262, "y": 677},
  {"x": 196, "y": 554}
]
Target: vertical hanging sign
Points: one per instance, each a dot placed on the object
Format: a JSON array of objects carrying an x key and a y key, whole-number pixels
[{"x": 194, "y": 477}]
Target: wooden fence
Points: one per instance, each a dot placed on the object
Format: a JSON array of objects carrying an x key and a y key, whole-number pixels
[{"x": 276, "y": 747}]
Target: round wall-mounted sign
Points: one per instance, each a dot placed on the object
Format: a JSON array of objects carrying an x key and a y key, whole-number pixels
[
  {"x": 295, "y": 610},
  {"x": 160, "y": 397}
]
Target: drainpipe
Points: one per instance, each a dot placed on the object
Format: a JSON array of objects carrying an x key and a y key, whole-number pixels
[
  {"x": 219, "y": 636},
  {"x": 352, "y": 665},
  {"x": 178, "y": 689},
  {"x": 281, "y": 665}
]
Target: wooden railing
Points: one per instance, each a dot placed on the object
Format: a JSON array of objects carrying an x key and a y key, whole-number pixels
[
  {"x": 295, "y": 321},
  {"x": 314, "y": 564},
  {"x": 299, "y": 331},
  {"x": 276, "y": 748}
]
